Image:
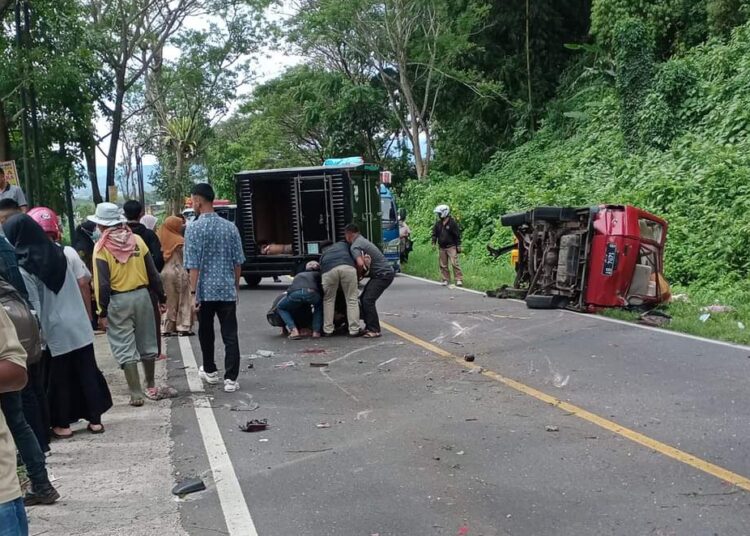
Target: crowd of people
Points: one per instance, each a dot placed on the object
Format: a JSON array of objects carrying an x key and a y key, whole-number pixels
[
  {"x": 120, "y": 277},
  {"x": 138, "y": 285}
]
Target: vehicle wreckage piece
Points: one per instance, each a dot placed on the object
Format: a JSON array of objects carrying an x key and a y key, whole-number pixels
[{"x": 586, "y": 258}]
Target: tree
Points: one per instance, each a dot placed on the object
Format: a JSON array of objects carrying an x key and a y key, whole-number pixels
[
  {"x": 128, "y": 33},
  {"x": 412, "y": 46},
  {"x": 186, "y": 96}
]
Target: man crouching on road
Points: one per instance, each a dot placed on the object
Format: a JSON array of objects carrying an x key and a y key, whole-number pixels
[
  {"x": 447, "y": 235},
  {"x": 370, "y": 263},
  {"x": 13, "y": 520},
  {"x": 214, "y": 257}
]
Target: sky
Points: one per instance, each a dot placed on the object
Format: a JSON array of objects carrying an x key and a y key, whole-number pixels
[{"x": 272, "y": 63}]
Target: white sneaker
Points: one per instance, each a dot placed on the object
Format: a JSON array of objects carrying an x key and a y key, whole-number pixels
[
  {"x": 211, "y": 378},
  {"x": 459, "y": 283},
  {"x": 444, "y": 283},
  {"x": 231, "y": 386}
]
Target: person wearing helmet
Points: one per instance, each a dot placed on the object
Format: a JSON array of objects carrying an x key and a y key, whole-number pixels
[
  {"x": 50, "y": 224},
  {"x": 304, "y": 292},
  {"x": 447, "y": 235}
]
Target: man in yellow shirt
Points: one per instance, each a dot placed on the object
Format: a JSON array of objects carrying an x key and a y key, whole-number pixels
[
  {"x": 12, "y": 378},
  {"x": 124, "y": 271}
]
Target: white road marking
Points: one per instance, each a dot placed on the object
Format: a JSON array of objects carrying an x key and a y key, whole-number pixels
[
  {"x": 612, "y": 320},
  {"x": 231, "y": 498}
]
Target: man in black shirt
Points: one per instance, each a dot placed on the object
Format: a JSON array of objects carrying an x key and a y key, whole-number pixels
[
  {"x": 447, "y": 235},
  {"x": 303, "y": 292}
]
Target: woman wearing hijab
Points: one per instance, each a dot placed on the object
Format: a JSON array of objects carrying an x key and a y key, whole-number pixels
[
  {"x": 77, "y": 389},
  {"x": 149, "y": 221},
  {"x": 179, "y": 315}
]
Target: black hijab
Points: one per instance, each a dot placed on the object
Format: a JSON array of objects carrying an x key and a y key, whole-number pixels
[{"x": 36, "y": 253}]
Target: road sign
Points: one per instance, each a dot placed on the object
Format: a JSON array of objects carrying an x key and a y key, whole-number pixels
[{"x": 11, "y": 174}]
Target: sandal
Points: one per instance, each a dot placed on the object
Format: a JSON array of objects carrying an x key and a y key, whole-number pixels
[
  {"x": 91, "y": 428},
  {"x": 61, "y": 436},
  {"x": 152, "y": 393},
  {"x": 371, "y": 335}
]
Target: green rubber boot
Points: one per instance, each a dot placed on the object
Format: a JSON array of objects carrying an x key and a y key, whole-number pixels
[
  {"x": 149, "y": 367},
  {"x": 134, "y": 383}
]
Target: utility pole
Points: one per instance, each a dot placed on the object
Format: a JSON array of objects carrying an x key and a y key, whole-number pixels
[
  {"x": 24, "y": 106},
  {"x": 33, "y": 110},
  {"x": 139, "y": 176}
]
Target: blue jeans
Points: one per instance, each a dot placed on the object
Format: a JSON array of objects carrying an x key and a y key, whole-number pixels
[
  {"x": 13, "y": 519},
  {"x": 297, "y": 300},
  {"x": 26, "y": 441}
]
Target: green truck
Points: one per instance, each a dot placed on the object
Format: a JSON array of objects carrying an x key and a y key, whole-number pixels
[{"x": 284, "y": 215}]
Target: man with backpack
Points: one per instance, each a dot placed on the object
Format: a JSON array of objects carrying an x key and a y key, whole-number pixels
[{"x": 13, "y": 302}]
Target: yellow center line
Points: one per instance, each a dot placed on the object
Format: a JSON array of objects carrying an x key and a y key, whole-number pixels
[{"x": 611, "y": 426}]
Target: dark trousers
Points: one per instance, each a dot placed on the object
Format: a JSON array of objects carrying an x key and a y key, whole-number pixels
[
  {"x": 373, "y": 290},
  {"x": 23, "y": 436},
  {"x": 227, "y": 314},
  {"x": 35, "y": 405}
]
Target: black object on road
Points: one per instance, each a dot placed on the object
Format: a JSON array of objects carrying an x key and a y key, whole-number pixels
[
  {"x": 191, "y": 485},
  {"x": 255, "y": 425},
  {"x": 469, "y": 357}
]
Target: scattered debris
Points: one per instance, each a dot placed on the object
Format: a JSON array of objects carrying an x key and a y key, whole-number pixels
[
  {"x": 460, "y": 453},
  {"x": 265, "y": 353},
  {"x": 704, "y": 317},
  {"x": 391, "y": 360},
  {"x": 323, "y": 425},
  {"x": 318, "y": 365},
  {"x": 560, "y": 381},
  {"x": 476, "y": 370},
  {"x": 264, "y": 440},
  {"x": 552, "y": 428},
  {"x": 681, "y": 298},
  {"x": 469, "y": 357},
  {"x": 740, "y": 325},
  {"x": 314, "y": 351},
  {"x": 251, "y": 365},
  {"x": 362, "y": 414},
  {"x": 392, "y": 314},
  {"x": 255, "y": 425},
  {"x": 308, "y": 451},
  {"x": 436, "y": 458},
  {"x": 190, "y": 485},
  {"x": 654, "y": 318},
  {"x": 471, "y": 419},
  {"x": 286, "y": 364}
]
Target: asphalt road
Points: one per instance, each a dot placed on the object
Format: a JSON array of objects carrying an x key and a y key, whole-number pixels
[{"x": 417, "y": 445}]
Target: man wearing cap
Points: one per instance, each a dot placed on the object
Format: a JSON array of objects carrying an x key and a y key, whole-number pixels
[
  {"x": 214, "y": 257},
  {"x": 10, "y": 191},
  {"x": 124, "y": 272}
]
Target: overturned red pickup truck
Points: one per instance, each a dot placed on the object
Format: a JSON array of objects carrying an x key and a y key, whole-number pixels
[{"x": 587, "y": 258}]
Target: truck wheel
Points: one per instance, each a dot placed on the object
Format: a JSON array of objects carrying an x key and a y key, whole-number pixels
[
  {"x": 252, "y": 280},
  {"x": 536, "y": 301}
]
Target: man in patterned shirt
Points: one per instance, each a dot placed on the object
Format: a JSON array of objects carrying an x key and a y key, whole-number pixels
[{"x": 214, "y": 257}]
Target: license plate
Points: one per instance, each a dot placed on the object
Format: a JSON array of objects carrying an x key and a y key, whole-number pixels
[{"x": 610, "y": 260}]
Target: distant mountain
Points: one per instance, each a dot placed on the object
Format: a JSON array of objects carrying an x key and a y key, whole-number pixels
[{"x": 101, "y": 173}]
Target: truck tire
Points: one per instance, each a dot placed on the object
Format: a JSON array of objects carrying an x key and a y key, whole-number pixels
[
  {"x": 515, "y": 220},
  {"x": 252, "y": 280},
  {"x": 554, "y": 214},
  {"x": 537, "y": 301}
]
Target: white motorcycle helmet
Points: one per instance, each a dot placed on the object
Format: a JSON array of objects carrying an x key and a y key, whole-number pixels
[{"x": 442, "y": 210}]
